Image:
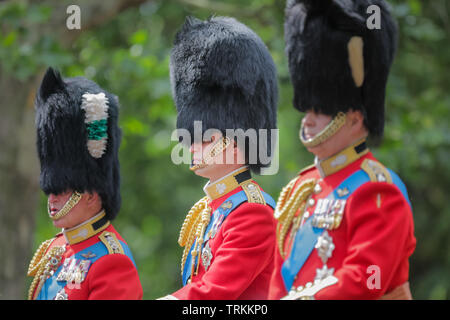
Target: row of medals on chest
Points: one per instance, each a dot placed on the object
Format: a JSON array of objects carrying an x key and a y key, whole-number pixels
[
  {"x": 72, "y": 270},
  {"x": 328, "y": 215}
]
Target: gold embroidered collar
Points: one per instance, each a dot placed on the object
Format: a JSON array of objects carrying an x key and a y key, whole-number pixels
[
  {"x": 342, "y": 159},
  {"x": 227, "y": 183},
  {"x": 87, "y": 229}
]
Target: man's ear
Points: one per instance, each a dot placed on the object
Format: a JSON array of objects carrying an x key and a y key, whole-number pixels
[
  {"x": 235, "y": 146},
  {"x": 92, "y": 197},
  {"x": 239, "y": 152},
  {"x": 356, "y": 118}
]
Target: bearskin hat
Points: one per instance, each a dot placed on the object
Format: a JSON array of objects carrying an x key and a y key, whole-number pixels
[
  {"x": 336, "y": 61},
  {"x": 78, "y": 138},
  {"x": 223, "y": 75}
]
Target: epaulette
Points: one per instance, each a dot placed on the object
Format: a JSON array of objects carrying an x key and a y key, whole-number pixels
[
  {"x": 253, "y": 192},
  {"x": 306, "y": 169},
  {"x": 111, "y": 242},
  {"x": 376, "y": 171}
]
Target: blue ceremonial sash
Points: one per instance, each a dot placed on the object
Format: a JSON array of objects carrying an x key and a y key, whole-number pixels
[
  {"x": 400, "y": 185},
  {"x": 236, "y": 200},
  {"x": 307, "y": 235},
  {"x": 51, "y": 286}
]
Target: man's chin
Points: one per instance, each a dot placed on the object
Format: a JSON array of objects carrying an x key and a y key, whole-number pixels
[
  {"x": 207, "y": 171},
  {"x": 61, "y": 223},
  {"x": 321, "y": 151},
  {"x": 200, "y": 170},
  {"x": 57, "y": 224}
]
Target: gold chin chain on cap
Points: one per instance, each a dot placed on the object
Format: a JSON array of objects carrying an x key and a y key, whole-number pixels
[
  {"x": 215, "y": 150},
  {"x": 72, "y": 202},
  {"x": 193, "y": 229},
  {"x": 286, "y": 208},
  {"x": 335, "y": 124}
]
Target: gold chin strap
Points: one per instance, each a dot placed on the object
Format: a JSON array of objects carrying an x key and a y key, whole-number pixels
[
  {"x": 335, "y": 124},
  {"x": 215, "y": 150},
  {"x": 72, "y": 202}
]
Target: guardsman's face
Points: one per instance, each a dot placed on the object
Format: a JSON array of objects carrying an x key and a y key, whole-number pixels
[
  {"x": 352, "y": 130},
  {"x": 219, "y": 165},
  {"x": 87, "y": 207},
  {"x": 313, "y": 123}
]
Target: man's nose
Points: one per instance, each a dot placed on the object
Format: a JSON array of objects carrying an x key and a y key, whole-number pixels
[
  {"x": 194, "y": 147},
  {"x": 52, "y": 198},
  {"x": 308, "y": 120}
]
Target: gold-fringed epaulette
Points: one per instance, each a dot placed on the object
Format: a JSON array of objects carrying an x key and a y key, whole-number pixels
[
  {"x": 289, "y": 202},
  {"x": 376, "y": 171}
]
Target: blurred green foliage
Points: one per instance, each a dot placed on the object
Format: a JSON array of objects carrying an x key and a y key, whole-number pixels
[{"x": 129, "y": 57}]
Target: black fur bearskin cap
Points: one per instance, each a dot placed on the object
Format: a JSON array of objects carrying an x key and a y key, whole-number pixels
[
  {"x": 336, "y": 62},
  {"x": 78, "y": 138},
  {"x": 223, "y": 75}
]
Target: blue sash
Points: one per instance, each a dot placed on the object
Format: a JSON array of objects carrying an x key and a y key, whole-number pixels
[
  {"x": 235, "y": 200},
  {"x": 51, "y": 286},
  {"x": 307, "y": 235}
]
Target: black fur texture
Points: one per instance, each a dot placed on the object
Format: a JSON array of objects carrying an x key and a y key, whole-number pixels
[
  {"x": 223, "y": 75},
  {"x": 317, "y": 33},
  {"x": 62, "y": 141}
]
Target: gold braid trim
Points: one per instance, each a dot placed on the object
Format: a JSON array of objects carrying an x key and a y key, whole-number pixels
[
  {"x": 72, "y": 202},
  {"x": 44, "y": 267},
  {"x": 335, "y": 124},
  {"x": 188, "y": 245},
  {"x": 193, "y": 227},
  {"x": 215, "y": 150},
  {"x": 287, "y": 207},
  {"x": 278, "y": 213},
  {"x": 36, "y": 261}
]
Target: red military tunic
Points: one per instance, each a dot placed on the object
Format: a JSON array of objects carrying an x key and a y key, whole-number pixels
[
  {"x": 371, "y": 246},
  {"x": 95, "y": 264},
  {"x": 241, "y": 260}
]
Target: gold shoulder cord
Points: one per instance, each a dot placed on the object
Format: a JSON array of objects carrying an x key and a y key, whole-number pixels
[
  {"x": 193, "y": 228},
  {"x": 41, "y": 264},
  {"x": 37, "y": 258},
  {"x": 286, "y": 208}
]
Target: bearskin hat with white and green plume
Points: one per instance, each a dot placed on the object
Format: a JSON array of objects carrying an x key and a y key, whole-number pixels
[{"x": 78, "y": 138}]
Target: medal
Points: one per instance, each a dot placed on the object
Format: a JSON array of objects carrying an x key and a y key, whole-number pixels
[
  {"x": 328, "y": 213},
  {"x": 206, "y": 256}
]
